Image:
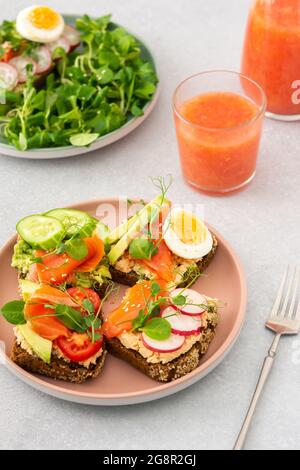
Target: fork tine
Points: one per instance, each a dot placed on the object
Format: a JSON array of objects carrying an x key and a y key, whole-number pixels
[
  {"x": 290, "y": 280},
  {"x": 275, "y": 309},
  {"x": 297, "y": 317},
  {"x": 295, "y": 291}
]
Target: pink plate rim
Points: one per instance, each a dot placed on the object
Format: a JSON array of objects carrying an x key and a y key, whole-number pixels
[{"x": 152, "y": 393}]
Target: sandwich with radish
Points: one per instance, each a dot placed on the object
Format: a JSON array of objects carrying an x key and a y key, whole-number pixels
[{"x": 162, "y": 333}]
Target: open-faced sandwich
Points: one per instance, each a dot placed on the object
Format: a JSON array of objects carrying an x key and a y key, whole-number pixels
[
  {"x": 57, "y": 332},
  {"x": 61, "y": 247},
  {"x": 164, "y": 334},
  {"x": 61, "y": 270},
  {"x": 160, "y": 241},
  {"x": 66, "y": 258}
]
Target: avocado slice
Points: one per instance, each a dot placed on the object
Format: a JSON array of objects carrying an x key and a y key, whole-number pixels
[
  {"x": 41, "y": 346},
  {"x": 141, "y": 219},
  {"x": 103, "y": 232},
  {"x": 28, "y": 288},
  {"x": 142, "y": 214}
]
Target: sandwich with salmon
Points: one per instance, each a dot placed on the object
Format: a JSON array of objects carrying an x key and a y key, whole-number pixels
[
  {"x": 58, "y": 332},
  {"x": 162, "y": 333},
  {"x": 62, "y": 246},
  {"x": 161, "y": 240},
  {"x": 61, "y": 265}
]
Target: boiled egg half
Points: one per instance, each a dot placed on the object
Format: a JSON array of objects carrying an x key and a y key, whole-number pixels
[
  {"x": 186, "y": 235},
  {"x": 40, "y": 24}
]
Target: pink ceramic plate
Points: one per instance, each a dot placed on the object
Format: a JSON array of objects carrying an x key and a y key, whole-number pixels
[{"x": 121, "y": 384}]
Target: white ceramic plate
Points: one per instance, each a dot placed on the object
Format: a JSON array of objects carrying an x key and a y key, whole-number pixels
[{"x": 70, "y": 151}]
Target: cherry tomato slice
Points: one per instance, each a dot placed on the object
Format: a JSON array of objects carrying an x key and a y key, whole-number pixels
[
  {"x": 78, "y": 347},
  {"x": 79, "y": 294}
]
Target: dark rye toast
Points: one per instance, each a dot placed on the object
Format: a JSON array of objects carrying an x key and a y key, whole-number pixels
[
  {"x": 131, "y": 278},
  {"x": 174, "y": 369},
  {"x": 58, "y": 369}
]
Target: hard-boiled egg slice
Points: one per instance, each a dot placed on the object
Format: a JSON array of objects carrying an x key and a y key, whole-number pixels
[
  {"x": 40, "y": 24},
  {"x": 186, "y": 235}
]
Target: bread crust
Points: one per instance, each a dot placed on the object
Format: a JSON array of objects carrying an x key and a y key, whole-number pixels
[
  {"x": 58, "y": 368},
  {"x": 131, "y": 278},
  {"x": 172, "y": 370}
]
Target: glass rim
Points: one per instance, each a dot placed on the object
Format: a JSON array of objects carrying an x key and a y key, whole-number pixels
[{"x": 260, "y": 112}]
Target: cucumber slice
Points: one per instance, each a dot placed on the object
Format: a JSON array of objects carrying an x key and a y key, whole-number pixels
[
  {"x": 72, "y": 220},
  {"x": 40, "y": 231}
]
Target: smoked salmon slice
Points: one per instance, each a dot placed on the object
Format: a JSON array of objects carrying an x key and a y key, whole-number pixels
[
  {"x": 45, "y": 325},
  {"x": 120, "y": 319},
  {"x": 55, "y": 268},
  {"x": 135, "y": 299},
  {"x": 54, "y": 296},
  {"x": 96, "y": 250},
  {"x": 161, "y": 264}
]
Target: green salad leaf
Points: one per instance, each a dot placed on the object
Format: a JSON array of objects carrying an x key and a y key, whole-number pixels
[
  {"x": 13, "y": 312},
  {"x": 157, "y": 328},
  {"x": 91, "y": 91},
  {"x": 83, "y": 139}
]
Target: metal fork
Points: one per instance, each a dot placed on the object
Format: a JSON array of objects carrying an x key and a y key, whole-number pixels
[{"x": 284, "y": 319}]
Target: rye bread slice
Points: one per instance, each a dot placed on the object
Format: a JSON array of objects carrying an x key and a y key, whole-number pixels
[
  {"x": 131, "y": 278},
  {"x": 58, "y": 369},
  {"x": 172, "y": 370}
]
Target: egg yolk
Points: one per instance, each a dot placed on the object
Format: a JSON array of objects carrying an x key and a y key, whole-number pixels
[
  {"x": 188, "y": 228},
  {"x": 44, "y": 18}
]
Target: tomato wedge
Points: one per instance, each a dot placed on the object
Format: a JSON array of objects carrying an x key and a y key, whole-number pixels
[
  {"x": 78, "y": 346},
  {"x": 8, "y": 54},
  {"x": 48, "y": 327},
  {"x": 120, "y": 319},
  {"x": 96, "y": 250},
  {"x": 79, "y": 294},
  {"x": 161, "y": 264}
]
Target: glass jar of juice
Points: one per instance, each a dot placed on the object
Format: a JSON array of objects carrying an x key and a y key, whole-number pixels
[
  {"x": 218, "y": 120},
  {"x": 272, "y": 55}
]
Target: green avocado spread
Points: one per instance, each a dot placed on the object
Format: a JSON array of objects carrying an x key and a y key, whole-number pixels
[
  {"x": 23, "y": 256},
  {"x": 99, "y": 276}
]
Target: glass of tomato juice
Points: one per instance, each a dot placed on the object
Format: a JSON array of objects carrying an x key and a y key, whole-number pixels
[
  {"x": 218, "y": 119},
  {"x": 271, "y": 55}
]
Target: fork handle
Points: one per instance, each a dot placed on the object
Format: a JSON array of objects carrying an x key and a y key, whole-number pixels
[{"x": 265, "y": 372}]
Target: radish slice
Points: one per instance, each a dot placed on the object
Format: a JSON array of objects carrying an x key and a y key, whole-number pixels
[
  {"x": 72, "y": 35},
  {"x": 8, "y": 76},
  {"x": 61, "y": 42},
  {"x": 171, "y": 344},
  {"x": 20, "y": 64},
  {"x": 44, "y": 60},
  {"x": 184, "y": 325},
  {"x": 193, "y": 303}
]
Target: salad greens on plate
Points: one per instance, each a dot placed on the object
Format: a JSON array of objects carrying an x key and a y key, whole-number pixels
[{"x": 87, "y": 92}]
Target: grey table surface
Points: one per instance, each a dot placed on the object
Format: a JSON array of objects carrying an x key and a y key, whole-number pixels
[{"x": 262, "y": 223}]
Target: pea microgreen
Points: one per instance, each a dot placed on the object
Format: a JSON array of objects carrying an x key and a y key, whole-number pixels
[
  {"x": 13, "y": 312},
  {"x": 142, "y": 248}
]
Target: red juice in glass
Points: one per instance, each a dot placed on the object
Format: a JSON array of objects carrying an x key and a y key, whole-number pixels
[
  {"x": 272, "y": 54},
  {"x": 218, "y": 131}
]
